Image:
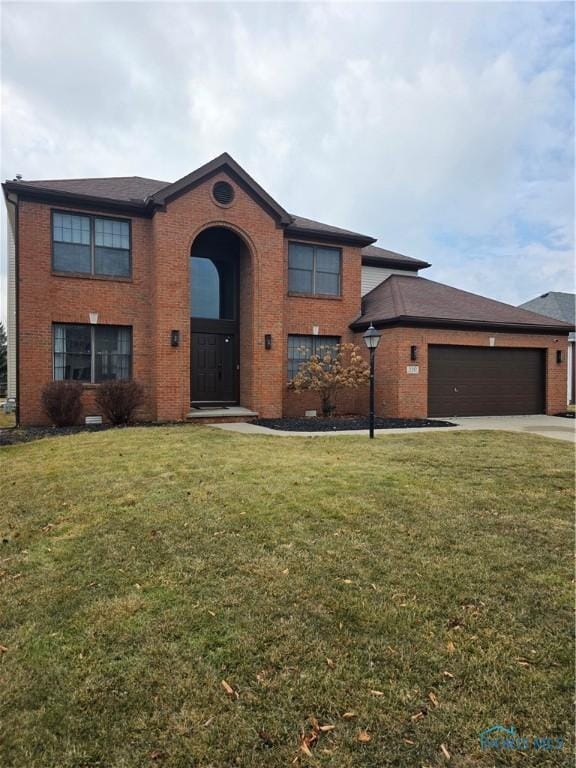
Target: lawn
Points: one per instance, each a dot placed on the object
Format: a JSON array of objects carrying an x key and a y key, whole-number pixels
[{"x": 187, "y": 598}]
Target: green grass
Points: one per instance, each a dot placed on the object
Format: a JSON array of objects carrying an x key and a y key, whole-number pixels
[{"x": 142, "y": 567}]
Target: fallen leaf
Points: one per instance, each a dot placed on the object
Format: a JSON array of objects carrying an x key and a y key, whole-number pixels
[
  {"x": 266, "y": 738},
  {"x": 377, "y": 693},
  {"x": 419, "y": 715},
  {"x": 448, "y": 674},
  {"x": 285, "y": 571},
  {"x": 228, "y": 688},
  {"x": 407, "y": 741},
  {"x": 330, "y": 663},
  {"x": 445, "y": 751},
  {"x": 211, "y": 613},
  {"x": 349, "y": 715},
  {"x": 450, "y": 647},
  {"x": 364, "y": 737},
  {"x": 347, "y": 581},
  {"x": 326, "y": 728},
  {"x": 157, "y": 754},
  {"x": 433, "y": 699},
  {"x": 305, "y": 748},
  {"x": 3, "y": 649},
  {"x": 207, "y": 723}
]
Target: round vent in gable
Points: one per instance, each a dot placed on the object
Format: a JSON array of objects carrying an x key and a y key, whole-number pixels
[{"x": 223, "y": 192}]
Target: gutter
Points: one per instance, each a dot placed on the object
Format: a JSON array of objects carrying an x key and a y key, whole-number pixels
[
  {"x": 14, "y": 202},
  {"x": 435, "y": 322},
  {"x": 331, "y": 237},
  {"x": 82, "y": 201}
]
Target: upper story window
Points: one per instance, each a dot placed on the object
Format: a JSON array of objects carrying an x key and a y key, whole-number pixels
[
  {"x": 90, "y": 245},
  {"x": 314, "y": 269},
  {"x": 92, "y": 353}
]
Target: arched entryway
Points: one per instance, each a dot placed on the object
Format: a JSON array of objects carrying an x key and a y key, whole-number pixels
[{"x": 215, "y": 269}]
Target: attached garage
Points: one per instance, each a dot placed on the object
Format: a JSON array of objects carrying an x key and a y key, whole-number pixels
[
  {"x": 485, "y": 381},
  {"x": 449, "y": 353}
]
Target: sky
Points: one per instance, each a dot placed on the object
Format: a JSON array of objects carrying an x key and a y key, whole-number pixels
[{"x": 443, "y": 129}]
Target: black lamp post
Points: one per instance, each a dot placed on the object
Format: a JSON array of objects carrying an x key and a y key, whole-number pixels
[{"x": 371, "y": 339}]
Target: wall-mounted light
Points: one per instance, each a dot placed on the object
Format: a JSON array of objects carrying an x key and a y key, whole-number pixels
[
  {"x": 93, "y": 317},
  {"x": 413, "y": 352},
  {"x": 268, "y": 341},
  {"x": 174, "y": 338},
  {"x": 559, "y": 356}
]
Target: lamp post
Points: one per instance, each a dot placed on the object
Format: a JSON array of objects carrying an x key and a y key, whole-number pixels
[{"x": 371, "y": 339}]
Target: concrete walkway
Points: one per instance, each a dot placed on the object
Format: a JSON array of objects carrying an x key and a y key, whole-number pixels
[{"x": 548, "y": 426}]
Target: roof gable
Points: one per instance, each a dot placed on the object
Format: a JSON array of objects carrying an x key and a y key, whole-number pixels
[{"x": 226, "y": 163}]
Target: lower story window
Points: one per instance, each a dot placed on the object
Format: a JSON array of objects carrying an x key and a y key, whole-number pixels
[
  {"x": 92, "y": 353},
  {"x": 301, "y": 349}
]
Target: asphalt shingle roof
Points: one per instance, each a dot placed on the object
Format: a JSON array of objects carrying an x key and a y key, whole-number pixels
[
  {"x": 373, "y": 252},
  {"x": 418, "y": 298},
  {"x": 121, "y": 188},
  {"x": 137, "y": 189},
  {"x": 561, "y": 306}
]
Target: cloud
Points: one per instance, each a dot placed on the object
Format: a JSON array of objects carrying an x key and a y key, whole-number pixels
[{"x": 443, "y": 129}]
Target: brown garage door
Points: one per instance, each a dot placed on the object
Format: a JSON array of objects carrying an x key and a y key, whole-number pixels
[{"x": 485, "y": 381}]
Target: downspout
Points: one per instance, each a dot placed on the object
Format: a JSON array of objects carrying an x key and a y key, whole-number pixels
[{"x": 13, "y": 200}]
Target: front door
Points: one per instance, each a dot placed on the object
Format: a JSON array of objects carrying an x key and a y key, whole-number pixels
[{"x": 213, "y": 369}]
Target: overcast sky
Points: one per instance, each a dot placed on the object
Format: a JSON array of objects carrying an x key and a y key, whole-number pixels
[{"x": 444, "y": 130}]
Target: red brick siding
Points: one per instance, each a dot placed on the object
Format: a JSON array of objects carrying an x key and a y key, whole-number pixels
[
  {"x": 45, "y": 299},
  {"x": 156, "y": 301},
  {"x": 332, "y": 316},
  {"x": 404, "y": 395}
]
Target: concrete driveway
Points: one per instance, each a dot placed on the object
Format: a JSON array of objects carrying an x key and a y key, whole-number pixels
[{"x": 548, "y": 426}]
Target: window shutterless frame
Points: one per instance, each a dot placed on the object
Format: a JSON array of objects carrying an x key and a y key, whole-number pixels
[
  {"x": 314, "y": 247},
  {"x": 92, "y": 350},
  {"x": 92, "y": 218},
  {"x": 301, "y": 347}
]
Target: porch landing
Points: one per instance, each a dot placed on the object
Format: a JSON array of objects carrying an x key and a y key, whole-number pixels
[{"x": 221, "y": 415}]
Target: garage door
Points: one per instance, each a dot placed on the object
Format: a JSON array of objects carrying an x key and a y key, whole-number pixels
[{"x": 485, "y": 381}]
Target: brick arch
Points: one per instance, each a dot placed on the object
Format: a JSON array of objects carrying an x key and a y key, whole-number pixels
[{"x": 248, "y": 309}]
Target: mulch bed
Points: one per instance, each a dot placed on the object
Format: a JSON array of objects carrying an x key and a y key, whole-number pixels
[
  {"x": 339, "y": 424},
  {"x": 13, "y": 435}
]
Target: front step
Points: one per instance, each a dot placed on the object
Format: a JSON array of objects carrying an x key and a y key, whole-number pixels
[{"x": 231, "y": 415}]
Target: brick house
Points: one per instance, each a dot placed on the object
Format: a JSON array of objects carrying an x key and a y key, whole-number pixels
[{"x": 210, "y": 294}]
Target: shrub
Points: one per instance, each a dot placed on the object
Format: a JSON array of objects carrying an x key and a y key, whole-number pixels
[
  {"x": 119, "y": 399},
  {"x": 335, "y": 368},
  {"x": 62, "y": 402}
]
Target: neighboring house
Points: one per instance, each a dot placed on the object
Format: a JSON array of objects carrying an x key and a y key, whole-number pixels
[
  {"x": 210, "y": 293},
  {"x": 560, "y": 306}
]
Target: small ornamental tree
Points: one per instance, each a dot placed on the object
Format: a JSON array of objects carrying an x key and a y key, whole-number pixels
[{"x": 334, "y": 368}]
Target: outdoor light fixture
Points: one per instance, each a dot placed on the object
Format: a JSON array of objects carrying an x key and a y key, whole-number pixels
[
  {"x": 267, "y": 341},
  {"x": 371, "y": 339},
  {"x": 174, "y": 338},
  {"x": 413, "y": 352}
]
